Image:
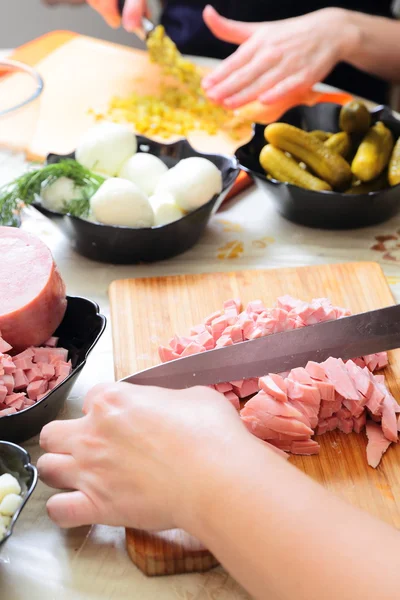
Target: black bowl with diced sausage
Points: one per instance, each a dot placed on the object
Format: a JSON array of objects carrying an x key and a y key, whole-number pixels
[
  {"x": 15, "y": 461},
  {"x": 322, "y": 209},
  {"x": 79, "y": 332}
]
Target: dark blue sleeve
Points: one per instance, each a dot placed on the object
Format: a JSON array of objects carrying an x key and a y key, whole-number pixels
[
  {"x": 184, "y": 24},
  {"x": 183, "y": 20}
]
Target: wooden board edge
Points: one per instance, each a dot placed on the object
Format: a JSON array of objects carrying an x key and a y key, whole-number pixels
[
  {"x": 378, "y": 266},
  {"x": 113, "y": 44},
  {"x": 111, "y": 288},
  {"x": 114, "y": 286},
  {"x": 36, "y": 50},
  {"x": 364, "y": 279},
  {"x": 371, "y": 264},
  {"x": 29, "y": 155},
  {"x": 176, "y": 564}
]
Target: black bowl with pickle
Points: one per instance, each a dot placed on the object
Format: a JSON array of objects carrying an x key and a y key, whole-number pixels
[{"x": 343, "y": 202}]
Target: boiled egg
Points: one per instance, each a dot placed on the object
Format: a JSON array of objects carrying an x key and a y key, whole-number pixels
[
  {"x": 192, "y": 182},
  {"x": 165, "y": 208},
  {"x": 105, "y": 147},
  {"x": 55, "y": 194},
  {"x": 145, "y": 170},
  {"x": 121, "y": 202}
]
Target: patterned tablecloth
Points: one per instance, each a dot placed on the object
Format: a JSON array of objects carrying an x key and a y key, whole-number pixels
[{"x": 41, "y": 562}]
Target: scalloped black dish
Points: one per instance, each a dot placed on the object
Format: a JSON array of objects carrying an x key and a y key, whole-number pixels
[
  {"x": 125, "y": 245},
  {"x": 17, "y": 462},
  {"x": 325, "y": 210},
  {"x": 79, "y": 332}
]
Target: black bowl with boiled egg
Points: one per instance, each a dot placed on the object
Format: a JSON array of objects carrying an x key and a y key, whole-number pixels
[
  {"x": 15, "y": 464},
  {"x": 128, "y": 245},
  {"x": 322, "y": 209}
]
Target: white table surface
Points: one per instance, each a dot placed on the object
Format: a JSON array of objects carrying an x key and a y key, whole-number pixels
[{"x": 41, "y": 562}]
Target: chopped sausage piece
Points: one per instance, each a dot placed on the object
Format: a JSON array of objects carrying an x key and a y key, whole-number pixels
[
  {"x": 377, "y": 444},
  {"x": 233, "y": 399},
  {"x": 28, "y": 376},
  {"x": 275, "y": 386}
]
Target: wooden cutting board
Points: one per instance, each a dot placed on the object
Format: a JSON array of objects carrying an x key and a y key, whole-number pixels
[
  {"x": 82, "y": 73},
  {"x": 147, "y": 312}
]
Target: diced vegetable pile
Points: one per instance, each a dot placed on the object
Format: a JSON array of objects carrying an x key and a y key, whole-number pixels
[{"x": 30, "y": 375}]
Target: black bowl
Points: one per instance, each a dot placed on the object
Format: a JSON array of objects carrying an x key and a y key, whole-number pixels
[
  {"x": 125, "y": 245},
  {"x": 17, "y": 462},
  {"x": 326, "y": 210},
  {"x": 79, "y": 332}
]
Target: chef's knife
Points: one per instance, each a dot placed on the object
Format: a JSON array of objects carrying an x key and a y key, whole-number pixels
[{"x": 345, "y": 338}]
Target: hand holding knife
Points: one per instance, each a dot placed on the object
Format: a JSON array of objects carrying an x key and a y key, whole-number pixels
[{"x": 147, "y": 25}]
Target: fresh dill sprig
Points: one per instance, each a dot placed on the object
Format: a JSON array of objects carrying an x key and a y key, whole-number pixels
[{"x": 26, "y": 188}]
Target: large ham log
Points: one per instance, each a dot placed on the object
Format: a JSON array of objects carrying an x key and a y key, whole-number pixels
[{"x": 32, "y": 293}]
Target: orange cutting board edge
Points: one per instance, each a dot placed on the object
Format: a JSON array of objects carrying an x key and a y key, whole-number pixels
[
  {"x": 36, "y": 50},
  {"x": 147, "y": 312}
]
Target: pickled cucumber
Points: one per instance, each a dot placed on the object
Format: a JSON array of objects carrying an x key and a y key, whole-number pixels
[
  {"x": 326, "y": 164},
  {"x": 354, "y": 117},
  {"x": 321, "y": 135},
  {"x": 283, "y": 168},
  {"x": 373, "y": 153},
  {"x": 380, "y": 183},
  {"x": 394, "y": 165},
  {"x": 301, "y": 164},
  {"x": 340, "y": 143}
]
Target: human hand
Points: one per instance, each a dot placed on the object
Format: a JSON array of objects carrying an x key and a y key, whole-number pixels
[
  {"x": 133, "y": 12},
  {"x": 141, "y": 457},
  {"x": 278, "y": 58}
]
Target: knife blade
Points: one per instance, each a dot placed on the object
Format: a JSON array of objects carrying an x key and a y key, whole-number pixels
[{"x": 348, "y": 337}]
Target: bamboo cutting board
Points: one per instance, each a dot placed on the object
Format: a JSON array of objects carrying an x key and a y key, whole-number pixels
[
  {"x": 82, "y": 73},
  {"x": 147, "y": 312}
]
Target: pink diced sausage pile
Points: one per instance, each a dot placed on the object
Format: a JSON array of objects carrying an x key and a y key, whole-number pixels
[
  {"x": 30, "y": 375},
  {"x": 287, "y": 409}
]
